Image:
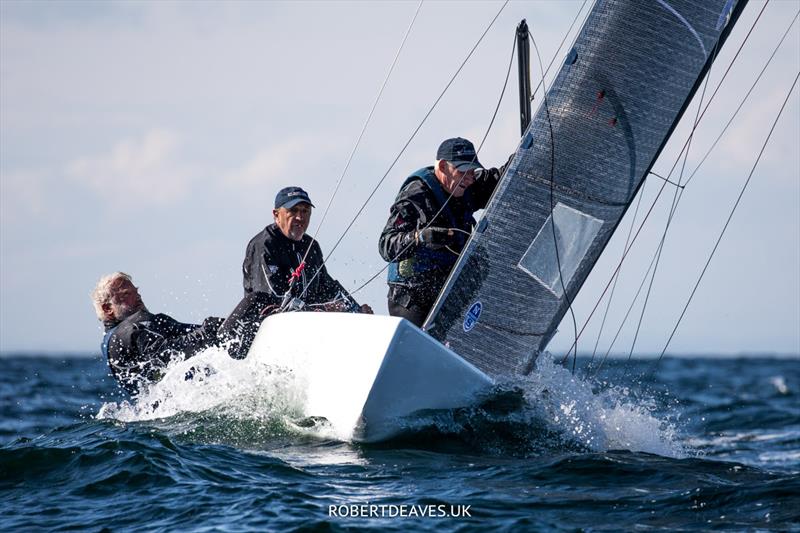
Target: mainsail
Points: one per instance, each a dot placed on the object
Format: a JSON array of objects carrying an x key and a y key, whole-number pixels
[{"x": 621, "y": 91}]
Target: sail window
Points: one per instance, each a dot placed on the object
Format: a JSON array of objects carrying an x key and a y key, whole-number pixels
[{"x": 574, "y": 231}]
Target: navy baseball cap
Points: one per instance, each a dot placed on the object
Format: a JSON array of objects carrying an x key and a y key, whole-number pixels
[
  {"x": 289, "y": 197},
  {"x": 460, "y": 153}
]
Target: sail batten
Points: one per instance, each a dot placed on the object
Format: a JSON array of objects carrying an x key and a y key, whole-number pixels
[{"x": 618, "y": 96}]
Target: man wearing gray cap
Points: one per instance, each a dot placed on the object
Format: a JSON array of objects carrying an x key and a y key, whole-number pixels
[
  {"x": 274, "y": 261},
  {"x": 429, "y": 224}
]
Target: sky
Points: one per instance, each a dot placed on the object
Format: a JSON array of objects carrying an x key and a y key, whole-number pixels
[{"x": 151, "y": 137}]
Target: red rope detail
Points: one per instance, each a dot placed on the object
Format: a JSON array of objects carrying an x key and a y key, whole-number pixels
[{"x": 298, "y": 271}]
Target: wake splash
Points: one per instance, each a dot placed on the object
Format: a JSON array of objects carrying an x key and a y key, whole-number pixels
[
  {"x": 552, "y": 411},
  {"x": 213, "y": 398},
  {"x": 609, "y": 419}
]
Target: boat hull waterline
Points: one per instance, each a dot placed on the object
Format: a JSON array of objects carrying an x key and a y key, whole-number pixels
[{"x": 366, "y": 374}]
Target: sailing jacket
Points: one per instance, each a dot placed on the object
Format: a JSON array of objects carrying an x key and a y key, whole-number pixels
[
  {"x": 141, "y": 346},
  {"x": 417, "y": 272},
  {"x": 272, "y": 257}
]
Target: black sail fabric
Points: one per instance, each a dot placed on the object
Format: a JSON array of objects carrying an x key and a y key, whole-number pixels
[{"x": 622, "y": 89}]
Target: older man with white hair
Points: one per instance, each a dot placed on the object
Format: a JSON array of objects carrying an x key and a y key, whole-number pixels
[{"x": 139, "y": 345}]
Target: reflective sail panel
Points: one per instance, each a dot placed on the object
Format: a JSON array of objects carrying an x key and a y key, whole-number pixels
[{"x": 620, "y": 92}]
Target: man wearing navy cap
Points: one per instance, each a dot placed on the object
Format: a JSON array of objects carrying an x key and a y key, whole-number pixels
[
  {"x": 429, "y": 224},
  {"x": 274, "y": 256}
]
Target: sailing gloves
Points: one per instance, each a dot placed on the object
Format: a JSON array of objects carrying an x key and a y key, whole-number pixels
[{"x": 435, "y": 238}]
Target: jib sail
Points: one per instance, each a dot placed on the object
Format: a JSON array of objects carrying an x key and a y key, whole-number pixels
[{"x": 622, "y": 89}]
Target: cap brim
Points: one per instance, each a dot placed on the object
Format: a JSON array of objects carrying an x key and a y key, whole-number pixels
[
  {"x": 291, "y": 203},
  {"x": 466, "y": 166}
]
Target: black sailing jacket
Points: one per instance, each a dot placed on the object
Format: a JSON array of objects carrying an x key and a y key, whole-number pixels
[
  {"x": 414, "y": 208},
  {"x": 142, "y": 345},
  {"x": 270, "y": 260}
]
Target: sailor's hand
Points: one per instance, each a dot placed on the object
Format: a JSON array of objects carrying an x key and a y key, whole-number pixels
[
  {"x": 366, "y": 309},
  {"x": 435, "y": 238},
  {"x": 268, "y": 310},
  {"x": 335, "y": 307}
]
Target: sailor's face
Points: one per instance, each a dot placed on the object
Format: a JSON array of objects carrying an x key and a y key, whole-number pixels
[
  {"x": 125, "y": 298},
  {"x": 293, "y": 222},
  {"x": 456, "y": 181}
]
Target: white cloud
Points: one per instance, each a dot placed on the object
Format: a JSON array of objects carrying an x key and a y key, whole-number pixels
[
  {"x": 269, "y": 166},
  {"x": 135, "y": 172}
]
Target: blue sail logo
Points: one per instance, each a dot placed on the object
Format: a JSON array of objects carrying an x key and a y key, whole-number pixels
[{"x": 472, "y": 316}]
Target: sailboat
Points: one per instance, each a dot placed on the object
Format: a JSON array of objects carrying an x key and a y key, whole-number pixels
[{"x": 621, "y": 90}]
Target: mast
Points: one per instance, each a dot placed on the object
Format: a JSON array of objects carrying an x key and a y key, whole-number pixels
[{"x": 523, "y": 62}]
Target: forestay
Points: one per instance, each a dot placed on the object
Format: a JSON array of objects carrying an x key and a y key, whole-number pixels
[{"x": 622, "y": 89}]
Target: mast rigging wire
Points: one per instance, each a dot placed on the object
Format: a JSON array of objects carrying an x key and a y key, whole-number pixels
[
  {"x": 352, "y": 154},
  {"x": 741, "y": 104},
  {"x": 677, "y": 196},
  {"x": 625, "y": 318},
  {"x": 502, "y": 93},
  {"x": 675, "y": 200},
  {"x": 366, "y": 123},
  {"x": 552, "y": 60},
  {"x": 408, "y": 142},
  {"x": 617, "y": 275},
  {"x": 477, "y": 151},
  {"x": 739, "y": 107},
  {"x": 552, "y": 204},
  {"x": 659, "y": 176},
  {"x": 675, "y": 164},
  {"x": 730, "y": 216},
  {"x": 733, "y": 116}
]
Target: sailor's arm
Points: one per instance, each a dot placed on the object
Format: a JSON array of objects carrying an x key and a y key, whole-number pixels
[
  {"x": 158, "y": 348},
  {"x": 486, "y": 179},
  {"x": 398, "y": 240},
  {"x": 249, "y": 268}
]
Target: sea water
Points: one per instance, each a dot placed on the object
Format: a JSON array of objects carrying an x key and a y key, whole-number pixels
[{"x": 690, "y": 443}]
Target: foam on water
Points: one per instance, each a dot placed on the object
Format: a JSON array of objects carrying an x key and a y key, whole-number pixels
[
  {"x": 552, "y": 410},
  {"x": 780, "y": 384},
  {"x": 556, "y": 403},
  {"x": 212, "y": 381},
  {"x": 611, "y": 419}
]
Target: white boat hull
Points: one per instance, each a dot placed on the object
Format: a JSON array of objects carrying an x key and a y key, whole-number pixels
[{"x": 366, "y": 374}]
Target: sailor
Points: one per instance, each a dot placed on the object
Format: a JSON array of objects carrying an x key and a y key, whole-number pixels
[
  {"x": 139, "y": 345},
  {"x": 283, "y": 261},
  {"x": 429, "y": 224}
]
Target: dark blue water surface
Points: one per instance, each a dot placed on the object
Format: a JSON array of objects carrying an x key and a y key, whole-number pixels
[{"x": 703, "y": 444}]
